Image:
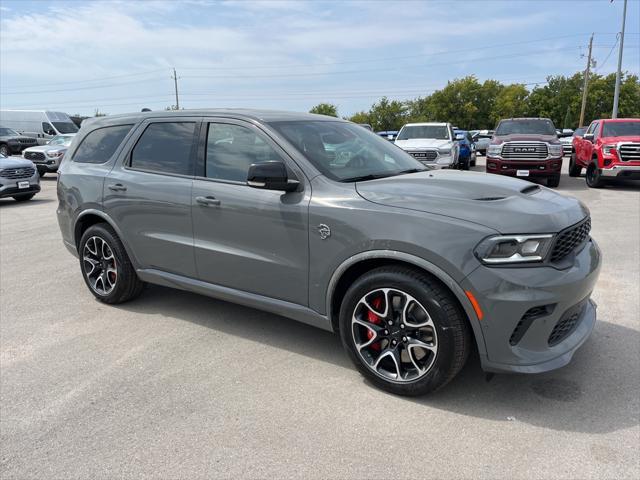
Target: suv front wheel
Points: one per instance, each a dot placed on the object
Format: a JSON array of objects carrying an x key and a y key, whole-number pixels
[
  {"x": 404, "y": 331},
  {"x": 106, "y": 267}
]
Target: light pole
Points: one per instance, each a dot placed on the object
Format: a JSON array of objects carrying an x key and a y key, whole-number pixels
[{"x": 616, "y": 94}]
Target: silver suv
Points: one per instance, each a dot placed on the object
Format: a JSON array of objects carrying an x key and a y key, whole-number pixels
[{"x": 320, "y": 220}]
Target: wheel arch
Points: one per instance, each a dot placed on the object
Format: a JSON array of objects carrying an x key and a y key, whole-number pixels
[
  {"x": 358, "y": 265},
  {"x": 92, "y": 217}
]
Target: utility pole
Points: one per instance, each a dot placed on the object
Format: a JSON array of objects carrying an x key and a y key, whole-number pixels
[
  {"x": 586, "y": 84},
  {"x": 175, "y": 83},
  {"x": 616, "y": 94}
]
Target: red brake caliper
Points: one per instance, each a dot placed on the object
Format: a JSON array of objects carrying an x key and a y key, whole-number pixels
[{"x": 373, "y": 318}]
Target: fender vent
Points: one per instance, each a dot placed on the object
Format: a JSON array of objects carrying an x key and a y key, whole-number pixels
[
  {"x": 526, "y": 321},
  {"x": 489, "y": 199}
]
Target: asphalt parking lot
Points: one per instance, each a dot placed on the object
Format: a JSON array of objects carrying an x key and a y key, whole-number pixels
[{"x": 175, "y": 385}]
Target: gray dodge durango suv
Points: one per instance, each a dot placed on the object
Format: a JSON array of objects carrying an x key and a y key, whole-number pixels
[{"x": 322, "y": 221}]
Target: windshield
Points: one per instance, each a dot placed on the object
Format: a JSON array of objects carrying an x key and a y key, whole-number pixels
[
  {"x": 438, "y": 132},
  {"x": 346, "y": 152},
  {"x": 526, "y": 127},
  {"x": 579, "y": 132},
  {"x": 61, "y": 140},
  {"x": 65, "y": 127},
  {"x": 7, "y": 132},
  {"x": 621, "y": 129}
]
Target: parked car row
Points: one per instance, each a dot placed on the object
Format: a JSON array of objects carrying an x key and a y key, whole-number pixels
[{"x": 18, "y": 178}]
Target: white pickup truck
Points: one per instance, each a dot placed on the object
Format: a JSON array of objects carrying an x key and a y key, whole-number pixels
[{"x": 434, "y": 144}]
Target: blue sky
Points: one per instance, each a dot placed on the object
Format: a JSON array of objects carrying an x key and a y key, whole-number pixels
[{"x": 117, "y": 56}]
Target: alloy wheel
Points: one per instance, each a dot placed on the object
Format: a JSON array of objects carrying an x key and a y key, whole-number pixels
[
  {"x": 394, "y": 335},
  {"x": 99, "y": 265}
]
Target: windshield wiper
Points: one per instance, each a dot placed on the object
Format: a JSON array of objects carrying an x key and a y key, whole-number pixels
[{"x": 374, "y": 176}]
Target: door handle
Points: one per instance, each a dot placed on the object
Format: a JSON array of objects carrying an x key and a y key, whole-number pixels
[
  {"x": 207, "y": 201},
  {"x": 117, "y": 187}
]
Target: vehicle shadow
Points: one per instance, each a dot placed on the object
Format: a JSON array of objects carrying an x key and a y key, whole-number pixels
[
  {"x": 575, "y": 184},
  {"x": 596, "y": 393},
  {"x": 9, "y": 202}
]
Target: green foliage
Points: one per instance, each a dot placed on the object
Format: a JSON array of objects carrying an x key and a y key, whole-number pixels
[
  {"x": 387, "y": 115},
  {"x": 469, "y": 104},
  {"x": 325, "y": 109}
]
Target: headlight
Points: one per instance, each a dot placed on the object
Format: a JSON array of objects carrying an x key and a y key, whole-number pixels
[
  {"x": 555, "y": 149},
  {"x": 514, "y": 249},
  {"x": 54, "y": 154},
  {"x": 444, "y": 151},
  {"x": 494, "y": 150},
  {"x": 608, "y": 149}
]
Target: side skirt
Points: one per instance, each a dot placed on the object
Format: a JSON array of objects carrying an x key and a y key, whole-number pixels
[{"x": 267, "y": 304}]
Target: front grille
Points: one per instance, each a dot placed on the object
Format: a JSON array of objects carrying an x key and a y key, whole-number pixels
[
  {"x": 524, "y": 151},
  {"x": 34, "y": 155},
  {"x": 27, "y": 141},
  {"x": 570, "y": 238},
  {"x": 630, "y": 152},
  {"x": 17, "y": 173},
  {"x": 568, "y": 322},
  {"x": 425, "y": 155}
]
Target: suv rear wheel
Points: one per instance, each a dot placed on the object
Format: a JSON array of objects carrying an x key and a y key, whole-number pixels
[
  {"x": 106, "y": 267},
  {"x": 404, "y": 331}
]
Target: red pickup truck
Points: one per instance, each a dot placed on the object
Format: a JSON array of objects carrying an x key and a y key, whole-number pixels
[{"x": 609, "y": 148}]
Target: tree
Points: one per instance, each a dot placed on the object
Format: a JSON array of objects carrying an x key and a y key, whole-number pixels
[
  {"x": 387, "y": 115},
  {"x": 325, "y": 109},
  {"x": 98, "y": 113},
  {"x": 360, "y": 117},
  {"x": 510, "y": 102}
]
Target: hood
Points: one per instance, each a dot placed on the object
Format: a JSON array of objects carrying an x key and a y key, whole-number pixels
[
  {"x": 416, "y": 143},
  {"x": 627, "y": 139},
  {"x": 14, "y": 162},
  {"x": 496, "y": 140},
  {"x": 46, "y": 148},
  {"x": 505, "y": 204}
]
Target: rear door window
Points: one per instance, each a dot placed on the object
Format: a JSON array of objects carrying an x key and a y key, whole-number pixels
[
  {"x": 166, "y": 147},
  {"x": 100, "y": 145}
]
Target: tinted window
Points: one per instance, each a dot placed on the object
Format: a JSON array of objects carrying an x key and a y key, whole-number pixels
[
  {"x": 347, "y": 152},
  {"x": 596, "y": 130},
  {"x": 621, "y": 129},
  {"x": 8, "y": 132},
  {"x": 98, "y": 146},
  {"x": 231, "y": 149},
  {"x": 526, "y": 127},
  {"x": 165, "y": 147},
  {"x": 65, "y": 127}
]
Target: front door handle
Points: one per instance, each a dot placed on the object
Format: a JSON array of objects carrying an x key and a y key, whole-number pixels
[
  {"x": 117, "y": 187},
  {"x": 207, "y": 201}
]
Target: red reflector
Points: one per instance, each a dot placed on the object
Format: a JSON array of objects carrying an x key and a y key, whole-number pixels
[{"x": 474, "y": 304}]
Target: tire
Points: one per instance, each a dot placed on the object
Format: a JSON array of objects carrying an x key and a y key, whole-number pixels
[
  {"x": 447, "y": 335},
  {"x": 24, "y": 198},
  {"x": 593, "y": 177},
  {"x": 574, "y": 170},
  {"x": 4, "y": 150},
  {"x": 553, "y": 182},
  {"x": 42, "y": 172},
  {"x": 119, "y": 283}
]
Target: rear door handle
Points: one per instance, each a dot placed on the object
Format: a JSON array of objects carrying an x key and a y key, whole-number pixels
[
  {"x": 117, "y": 187},
  {"x": 207, "y": 201}
]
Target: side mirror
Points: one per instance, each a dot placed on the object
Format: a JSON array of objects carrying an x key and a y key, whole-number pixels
[
  {"x": 460, "y": 136},
  {"x": 271, "y": 176},
  {"x": 589, "y": 136}
]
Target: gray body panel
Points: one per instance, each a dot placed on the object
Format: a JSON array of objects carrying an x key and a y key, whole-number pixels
[{"x": 264, "y": 249}]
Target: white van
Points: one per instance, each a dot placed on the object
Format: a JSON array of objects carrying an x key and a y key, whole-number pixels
[{"x": 41, "y": 124}]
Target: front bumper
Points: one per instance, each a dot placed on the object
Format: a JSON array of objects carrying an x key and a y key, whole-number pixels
[
  {"x": 536, "y": 168},
  {"x": 567, "y": 149},
  {"x": 443, "y": 161},
  {"x": 48, "y": 164},
  {"x": 564, "y": 314},
  {"x": 631, "y": 172},
  {"x": 17, "y": 147}
]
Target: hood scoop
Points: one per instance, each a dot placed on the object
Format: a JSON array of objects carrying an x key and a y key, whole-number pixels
[
  {"x": 489, "y": 199},
  {"x": 530, "y": 189}
]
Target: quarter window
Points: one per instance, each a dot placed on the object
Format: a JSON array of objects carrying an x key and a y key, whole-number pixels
[
  {"x": 98, "y": 146},
  {"x": 165, "y": 148},
  {"x": 231, "y": 149}
]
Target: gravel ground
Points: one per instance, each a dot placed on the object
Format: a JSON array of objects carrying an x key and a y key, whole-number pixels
[{"x": 175, "y": 385}]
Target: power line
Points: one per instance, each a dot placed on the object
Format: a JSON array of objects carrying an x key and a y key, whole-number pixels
[{"x": 147, "y": 72}]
